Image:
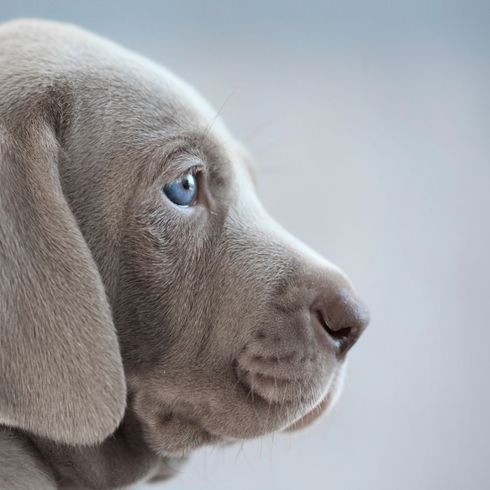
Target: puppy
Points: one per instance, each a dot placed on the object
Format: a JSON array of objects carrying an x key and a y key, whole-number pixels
[{"x": 149, "y": 305}]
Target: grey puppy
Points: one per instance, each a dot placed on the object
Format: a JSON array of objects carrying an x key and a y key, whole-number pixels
[{"x": 148, "y": 304}]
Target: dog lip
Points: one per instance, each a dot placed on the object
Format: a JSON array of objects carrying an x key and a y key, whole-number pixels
[
  {"x": 249, "y": 391},
  {"x": 261, "y": 387},
  {"x": 255, "y": 396}
]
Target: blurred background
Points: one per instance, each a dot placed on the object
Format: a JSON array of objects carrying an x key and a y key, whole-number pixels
[{"x": 370, "y": 122}]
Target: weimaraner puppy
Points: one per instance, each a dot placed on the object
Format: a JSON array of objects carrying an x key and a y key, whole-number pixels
[{"x": 148, "y": 304}]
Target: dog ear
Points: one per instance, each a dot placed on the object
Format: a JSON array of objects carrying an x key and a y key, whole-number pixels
[{"x": 61, "y": 374}]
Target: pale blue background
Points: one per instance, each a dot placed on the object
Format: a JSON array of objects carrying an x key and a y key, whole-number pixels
[{"x": 371, "y": 125}]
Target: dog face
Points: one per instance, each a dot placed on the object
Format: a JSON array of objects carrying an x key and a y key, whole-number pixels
[{"x": 228, "y": 327}]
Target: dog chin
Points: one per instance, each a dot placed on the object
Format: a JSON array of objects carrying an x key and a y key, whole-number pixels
[{"x": 325, "y": 405}]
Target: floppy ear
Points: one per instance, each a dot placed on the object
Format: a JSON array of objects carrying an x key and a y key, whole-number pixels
[{"x": 61, "y": 374}]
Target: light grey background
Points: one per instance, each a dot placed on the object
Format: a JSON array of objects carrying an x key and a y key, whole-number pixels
[{"x": 371, "y": 125}]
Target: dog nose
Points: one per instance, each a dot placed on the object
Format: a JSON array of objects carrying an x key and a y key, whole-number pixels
[{"x": 342, "y": 316}]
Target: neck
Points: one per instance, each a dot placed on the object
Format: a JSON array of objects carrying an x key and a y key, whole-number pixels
[{"x": 120, "y": 460}]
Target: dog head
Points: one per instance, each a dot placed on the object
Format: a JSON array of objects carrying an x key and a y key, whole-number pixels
[{"x": 136, "y": 255}]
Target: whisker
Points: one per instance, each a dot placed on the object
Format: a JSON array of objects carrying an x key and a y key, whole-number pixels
[{"x": 213, "y": 120}]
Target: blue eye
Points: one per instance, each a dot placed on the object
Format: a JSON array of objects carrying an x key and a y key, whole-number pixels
[{"x": 182, "y": 191}]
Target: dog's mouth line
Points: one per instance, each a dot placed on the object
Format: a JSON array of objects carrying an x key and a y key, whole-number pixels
[
  {"x": 306, "y": 418},
  {"x": 268, "y": 378},
  {"x": 241, "y": 371},
  {"x": 252, "y": 394}
]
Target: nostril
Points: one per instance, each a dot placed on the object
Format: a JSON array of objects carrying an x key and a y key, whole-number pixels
[
  {"x": 341, "y": 335},
  {"x": 343, "y": 317}
]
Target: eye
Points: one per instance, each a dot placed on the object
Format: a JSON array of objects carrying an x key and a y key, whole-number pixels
[{"x": 183, "y": 191}]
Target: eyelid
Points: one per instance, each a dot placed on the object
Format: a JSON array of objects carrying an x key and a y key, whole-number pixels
[
  {"x": 194, "y": 170},
  {"x": 178, "y": 171},
  {"x": 186, "y": 166}
]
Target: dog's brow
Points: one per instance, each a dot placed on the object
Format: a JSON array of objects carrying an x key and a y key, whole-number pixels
[{"x": 170, "y": 156}]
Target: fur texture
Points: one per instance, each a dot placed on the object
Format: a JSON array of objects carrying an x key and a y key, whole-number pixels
[{"x": 133, "y": 330}]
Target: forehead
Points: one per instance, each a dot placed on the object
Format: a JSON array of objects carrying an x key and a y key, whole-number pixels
[
  {"x": 201, "y": 123},
  {"x": 162, "y": 120}
]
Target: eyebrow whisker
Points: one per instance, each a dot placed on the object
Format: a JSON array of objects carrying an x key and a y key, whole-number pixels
[{"x": 213, "y": 120}]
